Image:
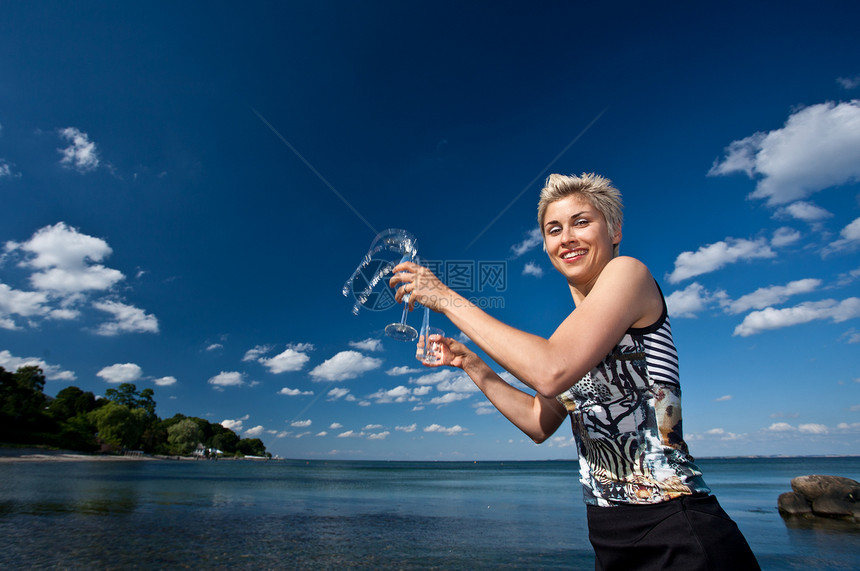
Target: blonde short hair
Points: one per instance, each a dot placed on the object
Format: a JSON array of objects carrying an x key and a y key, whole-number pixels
[{"x": 596, "y": 189}]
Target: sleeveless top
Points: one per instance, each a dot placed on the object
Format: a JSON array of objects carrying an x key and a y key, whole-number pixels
[{"x": 626, "y": 419}]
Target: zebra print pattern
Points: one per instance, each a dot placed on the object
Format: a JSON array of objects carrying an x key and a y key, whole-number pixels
[{"x": 626, "y": 417}]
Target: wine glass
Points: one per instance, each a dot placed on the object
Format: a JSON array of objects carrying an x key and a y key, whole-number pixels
[
  {"x": 389, "y": 248},
  {"x": 427, "y": 351},
  {"x": 401, "y": 330}
]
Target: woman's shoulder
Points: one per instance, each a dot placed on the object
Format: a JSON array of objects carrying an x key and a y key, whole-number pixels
[{"x": 628, "y": 267}]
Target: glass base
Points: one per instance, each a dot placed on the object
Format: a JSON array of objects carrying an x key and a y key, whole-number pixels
[{"x": 401, "y": 332}]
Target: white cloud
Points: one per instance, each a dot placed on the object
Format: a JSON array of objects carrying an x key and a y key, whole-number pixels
[
  {"x": 335, "y": 426},
  {"x": 850, "y": 237},
  {"x": 770, "y": 318},
  {"x": 532, "y": 269},
  {"x": 288, "y": 360},
  {"x": 691, "y": 300},
  {"x": 533, "y": 239},
  {"x": 780, "y": 427},
  {"x": 813, "y": 428},
  {"x": 165, "y": 381},
  {"x": 817, "y": 148},
  {"x": 126, "y": 319},
  {"x": 723, "y": 398},
  {"x": 257, "y": 352},
  {"x": 408, "y": 428},
  {"x": 378, "y": 435},
  {"x": 121, "y": 373},
  {"x": 450, "y": 431},
  {"x": 6, "y": 170},
  {"x": 234, "y": 425},
  {"x": 23, "y": 303},
  {"x": 214, "y": 347},
  {"x": 771, "y": 295},
  {"x": 714, "y": 256},
  {"x": 398, "y": 394},
  {"x": 403, "y": 370},
  {"x": 286, "y": 391},
  {"x": 345, "y": 365},
  {"x": 81, "y": 154},
  {"x": 805, "y": 211},
  {"x": 448, "y": 398},
  {"x": 340, "y": 393},
  {"x": 51, "y": 372},
  {"x": 255, "y": 431},
  {"x": 227, "y": 379},
  {"x": 369, "y": 344},
  {"x": 849, "y": 82},
  {"x": 65, "y": 260},
  {"x": 784, "y": 236},
  {"x": 301, "y": 423}
]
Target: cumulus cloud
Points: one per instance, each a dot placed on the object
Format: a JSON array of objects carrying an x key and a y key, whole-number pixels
[
  {"x": 369, "y": 344},
  {"x": 165, "y": 381},
  {"x": 532, "y": 269},
  {"x": 287, "y": 391},
  {"x": 398, "y": 394},
  {"x": 126, "y": 319},
  {"x": 227, "y": 379},
  {"x": 66, "y": 272},
  {"x": 850, "y": 238},
  {"x": 784, "y": 236},
  {"x": 51, "y": 372},
  {"x": 817, "y": 148},
  {"x": 771, "y": 295},
  {"x": 301, "y": 423},
  {"x": 849, "y": 82},
  {"x": 121, "y": 373},
  {"x": 408, "y": 428},
  {"x": 770, "y": 318},
  {"x": 402, "y": 370},
  {"x": 813, "y": 428},
  {"x": 81, "y": 154},
  {"x": 533, "y": 239},
  {"x": 690, "y": 301},
  {"x": 714, "y": 256},
  {"x": 345, "y": 365},
  {"x": 290, "y": 359},
  {"x": 450, "y": 431},
  {"x": 6, "y": 170},
  {"x": 805, "y": 211},
  {"x": 255, "y": 431}
]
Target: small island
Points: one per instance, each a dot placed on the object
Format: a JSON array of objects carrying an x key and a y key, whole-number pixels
[{"x": 123, "y": 422}]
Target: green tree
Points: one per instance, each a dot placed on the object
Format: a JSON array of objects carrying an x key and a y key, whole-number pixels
[
  {"x": 252, "y": 447},
  {"x": 119, "y": 426},
  {"x": 22, "y": 406},
  {"x": 184, "y": 436},
  {"x": 70, "y": 402},
  {"x": 126, "y": 394}
]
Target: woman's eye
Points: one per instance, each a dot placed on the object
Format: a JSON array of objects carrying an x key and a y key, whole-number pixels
[
  {"x": 580, "y": 222},
  {"x": 554, "y": 230}
]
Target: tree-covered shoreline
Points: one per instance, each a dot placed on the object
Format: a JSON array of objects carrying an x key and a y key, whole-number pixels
[{"x": 124, "y": 419}]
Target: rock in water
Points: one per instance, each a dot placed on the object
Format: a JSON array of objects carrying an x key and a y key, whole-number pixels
[
  {"x": 822, "y": 496},
  {"x": 793, "y": 504}
]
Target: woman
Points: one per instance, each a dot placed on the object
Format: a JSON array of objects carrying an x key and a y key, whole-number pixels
[{"x": 610, "y": 366}]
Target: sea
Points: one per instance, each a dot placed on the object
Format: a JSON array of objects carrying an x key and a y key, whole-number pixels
[{"x": 296, "y": 514}]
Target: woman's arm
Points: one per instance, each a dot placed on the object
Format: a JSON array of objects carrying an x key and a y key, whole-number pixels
[
  {"x": 623, "y": 296},
  {"x": 537, "y": 416}
]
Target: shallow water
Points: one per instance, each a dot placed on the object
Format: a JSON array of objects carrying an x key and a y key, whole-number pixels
[{"x": 360, "y": 515}]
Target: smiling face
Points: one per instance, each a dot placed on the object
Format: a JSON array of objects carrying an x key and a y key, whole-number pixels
[{"x": 578, "y": 240}]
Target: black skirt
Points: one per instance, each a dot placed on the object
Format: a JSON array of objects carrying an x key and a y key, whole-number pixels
[{"x": 688, "y": 533}]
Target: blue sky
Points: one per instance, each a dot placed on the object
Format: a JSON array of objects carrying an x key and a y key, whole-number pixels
[{"x": 185, "y": 190}]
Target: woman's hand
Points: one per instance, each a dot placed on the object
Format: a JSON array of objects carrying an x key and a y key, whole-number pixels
[
  {"x": 453, "y": 353},
  {"x": 420, "y": 284}
]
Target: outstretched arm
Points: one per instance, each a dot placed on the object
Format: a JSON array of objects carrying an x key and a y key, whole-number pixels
[
  {"x": 537, "y": 416},
  {"x": 625, "y": 295}
]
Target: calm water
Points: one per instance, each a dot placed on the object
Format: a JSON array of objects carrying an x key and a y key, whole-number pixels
[{"x": 291, "y": 514}]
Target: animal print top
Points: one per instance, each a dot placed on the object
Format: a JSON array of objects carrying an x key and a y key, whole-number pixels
[{"x": 626, "y": 417}]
